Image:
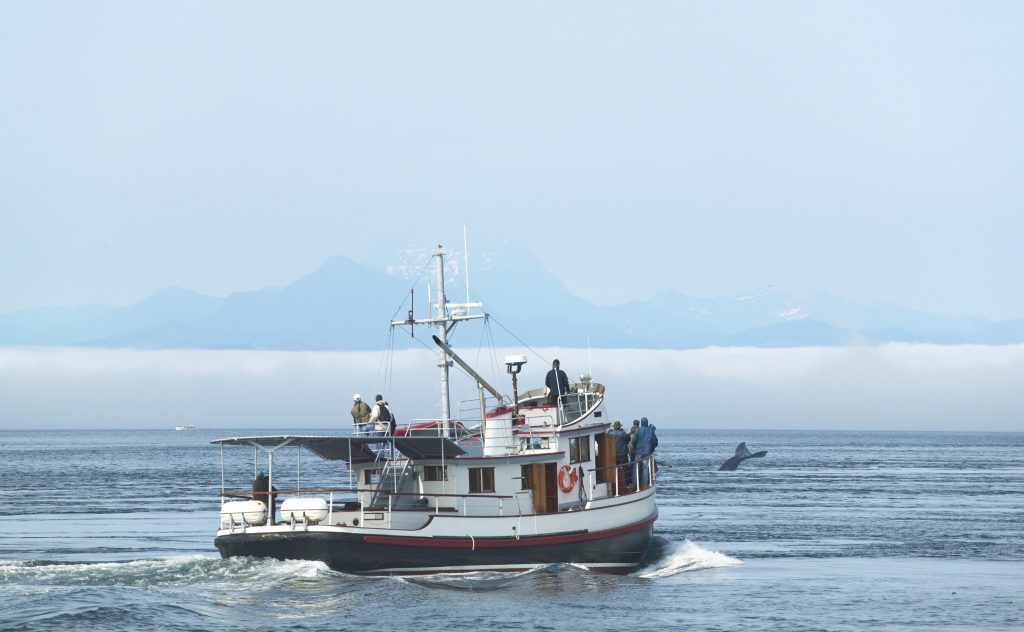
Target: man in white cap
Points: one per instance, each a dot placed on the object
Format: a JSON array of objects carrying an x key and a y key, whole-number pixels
[{"x": 360, "y": 411}]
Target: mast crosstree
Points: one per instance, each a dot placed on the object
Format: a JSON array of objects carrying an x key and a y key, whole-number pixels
[{"x": 446, "y": 315}]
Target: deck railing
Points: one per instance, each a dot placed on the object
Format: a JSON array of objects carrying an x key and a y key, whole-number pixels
[
  {"x": 634, "y": 466},
  {"x": 363, "y": 509}
]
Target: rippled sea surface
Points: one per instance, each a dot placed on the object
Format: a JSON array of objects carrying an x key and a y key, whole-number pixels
[{"x": 830, "y": 531}]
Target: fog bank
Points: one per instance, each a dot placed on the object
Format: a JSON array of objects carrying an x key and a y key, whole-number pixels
[{"x": 897, "y": 386}]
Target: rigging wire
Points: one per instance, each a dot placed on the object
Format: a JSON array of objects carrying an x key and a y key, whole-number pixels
[
  {"x": 494, "y": 350},
  {"x": 414, "y": 284},
  {"x": 385, "y": 364},
  {"x": 385, "y": 367},
  {"x": 535, "y": 352}
]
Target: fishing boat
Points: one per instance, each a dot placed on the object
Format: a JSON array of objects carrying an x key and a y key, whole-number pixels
[{"x": 527, "y": 479}]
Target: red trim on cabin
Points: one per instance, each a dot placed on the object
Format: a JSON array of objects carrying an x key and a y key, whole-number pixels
[
  {"x": 525, "y": 458},
  {"x": 504, "y": 410},
  {"x": 505, "y": 542}
]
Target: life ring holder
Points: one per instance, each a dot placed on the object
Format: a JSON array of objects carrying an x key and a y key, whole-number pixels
[{"x": 567, "y": 486}]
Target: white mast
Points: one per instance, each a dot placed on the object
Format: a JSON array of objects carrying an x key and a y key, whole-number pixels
[
  {"x": 465, "y": 248},
  {"x": 441, "y": 318},
  {"x": 445, "y": 315}
]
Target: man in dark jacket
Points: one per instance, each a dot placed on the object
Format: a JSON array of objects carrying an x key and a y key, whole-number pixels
[
  {"x": 621, "y": 446},
  {"x": 644, "y": 443},
  {"x": 261, "y": 491},
  {"x": 557, "y": 382}
]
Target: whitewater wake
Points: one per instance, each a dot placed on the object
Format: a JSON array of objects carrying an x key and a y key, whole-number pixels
[
  {"x": 174, "y": 571},
  {"x": 685, "y": 556}
]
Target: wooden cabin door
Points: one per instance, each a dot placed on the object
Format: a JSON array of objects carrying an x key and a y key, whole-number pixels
[{"x": 540, "y": 479}]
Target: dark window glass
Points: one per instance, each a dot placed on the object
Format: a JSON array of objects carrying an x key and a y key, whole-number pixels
[
  {"x": 435, "y": 473},
  {"x": 579, "y": 450},
  {"x": 481, "y": 480}
]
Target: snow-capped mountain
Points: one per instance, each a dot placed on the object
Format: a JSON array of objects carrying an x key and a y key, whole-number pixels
[{"x": 347, "y": 305}]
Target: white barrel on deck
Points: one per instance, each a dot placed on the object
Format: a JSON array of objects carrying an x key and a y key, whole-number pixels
[
  {"x": 304, "y": 509},
  {"x": 239, "y": 512},
  {"x": 498, "y": 437}
]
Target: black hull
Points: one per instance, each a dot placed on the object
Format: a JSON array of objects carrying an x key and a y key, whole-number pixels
[{"x": 618, "y": 551}]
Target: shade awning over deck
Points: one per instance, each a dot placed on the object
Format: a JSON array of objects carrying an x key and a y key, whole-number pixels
[{"x": 352, "y": 448}]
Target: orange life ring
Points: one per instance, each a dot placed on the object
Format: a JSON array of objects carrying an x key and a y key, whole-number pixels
[{"x": 567, "y": 486}]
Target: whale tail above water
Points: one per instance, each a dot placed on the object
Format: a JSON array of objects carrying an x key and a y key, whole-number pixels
[{"x": 742, "y": 454}]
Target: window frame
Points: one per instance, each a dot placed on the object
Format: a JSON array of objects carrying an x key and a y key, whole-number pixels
[
  {"x": 479, "y": 478},
  {"x": 435, "y": 473},
  {"x": 575, "y": 443}
]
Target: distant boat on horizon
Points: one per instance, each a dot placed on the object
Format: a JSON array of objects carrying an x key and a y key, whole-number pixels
[{"x": 185, "y": 427}]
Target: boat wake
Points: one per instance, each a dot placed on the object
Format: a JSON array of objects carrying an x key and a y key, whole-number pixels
[
  {"x": 681, "y": 557},
  {"x": 483, "y": 581},
  {"x": 170, "y": 572}
]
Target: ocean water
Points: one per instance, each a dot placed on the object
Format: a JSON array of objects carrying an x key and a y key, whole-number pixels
[{"x": 831, "y": 531}]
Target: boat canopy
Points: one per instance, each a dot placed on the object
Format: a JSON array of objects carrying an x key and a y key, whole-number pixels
[{"x": 352, "y": 448}]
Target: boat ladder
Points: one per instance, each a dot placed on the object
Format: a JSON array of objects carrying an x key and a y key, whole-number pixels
[{"x": 392, "y": 478}]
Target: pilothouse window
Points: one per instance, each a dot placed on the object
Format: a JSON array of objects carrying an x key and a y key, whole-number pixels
[
  {"x": 579, "y": 449},
  {"x": 371, "y": 476},
  {"x": 435, "y": 473},
  {"x": 481, "y": 480}
]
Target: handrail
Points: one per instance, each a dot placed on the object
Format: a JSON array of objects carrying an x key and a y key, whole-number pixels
[
  {"x": 357, "y": 490},
  {"x": 630, "y": 465},
  {"x": 627, "y": 463},
  {"x": 278, "y": 492},
  {"x": 449, "y": 495}
]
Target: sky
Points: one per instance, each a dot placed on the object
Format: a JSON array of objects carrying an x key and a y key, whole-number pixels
[
  {"x": 870, "y": 150},
  {"x": 891, "y": 387}
]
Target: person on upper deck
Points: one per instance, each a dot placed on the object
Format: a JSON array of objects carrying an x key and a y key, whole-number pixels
[
  {"x": 557, "y": 383},
  {"x": 360, "y": 411},
  {"x": 644, "y": 444},
  {"x": 381, "y": 418}
]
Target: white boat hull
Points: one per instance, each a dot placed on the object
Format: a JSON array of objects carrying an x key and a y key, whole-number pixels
[{"x": 610, "y": 536}]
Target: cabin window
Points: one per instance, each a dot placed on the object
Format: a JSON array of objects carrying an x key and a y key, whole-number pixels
[
  {"x": 579, "y": 449},
  {"x": 371, "y": 476},
  {"x": 481, "y": 480},
  {"x": 435, "y": 473},
  {"x": 535, "y": 443},
  {"x": 526, "y": 476}
]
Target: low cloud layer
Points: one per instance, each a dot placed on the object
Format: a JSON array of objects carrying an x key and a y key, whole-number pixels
[{"x": 897, "y": 387}]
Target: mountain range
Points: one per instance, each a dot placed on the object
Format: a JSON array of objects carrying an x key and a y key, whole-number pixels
[{"x": 345, "y": 305}]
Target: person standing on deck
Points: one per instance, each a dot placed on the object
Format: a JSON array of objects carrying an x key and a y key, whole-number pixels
[
  {"x": 360, "y": 412},
  {"x": 632, "y": 450},
  {"x": 261, "y": 490},
  {"x": 621, "y": 447},
  {"x": 381, "y": 418},
  {"x": 557, "y": 383},
  {"x": 644, "y": 443}
]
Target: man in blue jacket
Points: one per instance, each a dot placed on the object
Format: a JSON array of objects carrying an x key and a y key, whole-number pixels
[{"x": 644, "y": 443}]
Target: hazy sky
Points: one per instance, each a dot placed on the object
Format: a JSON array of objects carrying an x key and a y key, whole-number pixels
[
  {"x": 868, "y": 149},
  {"x": 892, "y": 387}
]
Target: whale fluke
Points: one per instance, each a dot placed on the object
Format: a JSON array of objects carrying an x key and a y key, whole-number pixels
[{"x": 742, "y": 454}]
